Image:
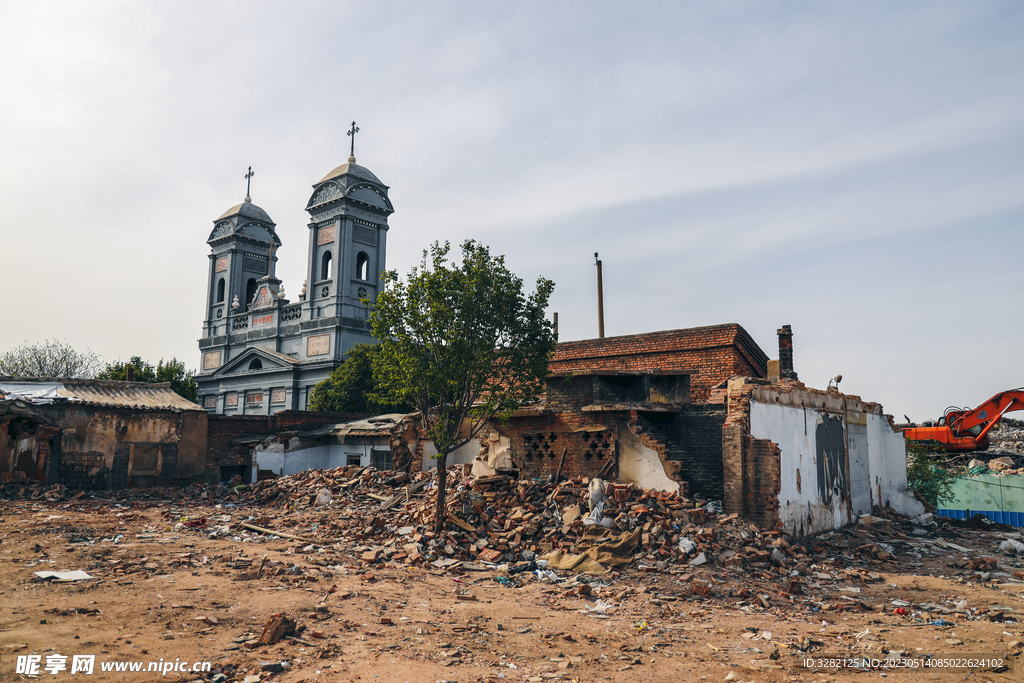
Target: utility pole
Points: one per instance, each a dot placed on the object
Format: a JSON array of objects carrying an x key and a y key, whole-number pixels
[{"x": 600, "y": 299}]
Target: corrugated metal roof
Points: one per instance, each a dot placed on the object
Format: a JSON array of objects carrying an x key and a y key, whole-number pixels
[
  {"x": 379, "y": 425},
  {"x": 114, "y": 394}
]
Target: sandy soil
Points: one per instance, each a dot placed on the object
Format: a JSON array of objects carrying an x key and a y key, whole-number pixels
[{"x": 170, "y": 593}]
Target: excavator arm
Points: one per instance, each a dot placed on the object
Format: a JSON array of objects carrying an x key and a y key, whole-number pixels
[
  {"x": 988, "y": 413},
  {"x": 967, "y": 430}
]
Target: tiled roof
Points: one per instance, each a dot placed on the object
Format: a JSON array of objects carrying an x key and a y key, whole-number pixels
[
  {"x": 111, "y": 393},
  {"x": 689, "y": 339}
]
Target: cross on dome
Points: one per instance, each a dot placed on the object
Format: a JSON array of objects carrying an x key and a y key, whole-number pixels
[
  {"x": 352, "y": 150},
  {"x": 248, "y": 179}
]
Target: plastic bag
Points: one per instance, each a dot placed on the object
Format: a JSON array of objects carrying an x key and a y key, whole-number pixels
[
  {"x": 686, "y": 546},
  {"x": 594, "y": 517},
  {"x": 597, "y": 494},
  {"x": 601, "y": 607},
  {"x": 714, "y": 507},
  {"x": 1011, "y": 546}
]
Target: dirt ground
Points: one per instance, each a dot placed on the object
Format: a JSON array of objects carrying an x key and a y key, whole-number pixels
[{"x": 166, "y": 592}]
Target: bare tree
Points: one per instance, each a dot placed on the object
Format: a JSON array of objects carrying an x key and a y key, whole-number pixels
[{"x": 50, "y": 359}]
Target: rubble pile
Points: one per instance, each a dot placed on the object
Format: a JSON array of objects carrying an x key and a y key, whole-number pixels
[
  {"x": 33, "y": 489},
  {"x": 499, "y": 523},
  {"x": 362, "y": 518},
  {"x": 1007, "y": 437}
]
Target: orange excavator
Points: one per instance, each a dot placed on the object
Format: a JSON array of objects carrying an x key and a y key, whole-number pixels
[{"x": 964, "y": 429}]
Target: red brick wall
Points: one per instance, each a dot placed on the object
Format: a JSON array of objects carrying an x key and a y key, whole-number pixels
[
  {"x": 712, "y": 354},
  {"x": 292, "y": 419},
  {"x": 537, "y": 443},
  {"x": 751, "y": 467}
]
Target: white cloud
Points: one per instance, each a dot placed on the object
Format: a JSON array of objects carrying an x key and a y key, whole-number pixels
[{"x": 756, "y": 163}]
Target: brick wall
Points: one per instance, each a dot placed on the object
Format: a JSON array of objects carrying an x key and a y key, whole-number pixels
[
  {"x": 761, "y": 482},
  {"x": 84, "y": 470},
  {"x": 221, "y": 430},
  {"x": 750, "y": 467},
  {"x": 692, "y": 440},
  {"x": 293, "y": 419},
  {"x": 712, "y": 354},
  {"x": 537, "y": 443}
]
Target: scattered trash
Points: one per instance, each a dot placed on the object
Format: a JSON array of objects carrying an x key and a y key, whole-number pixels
[
  {"x": 64, "y": 577},
  {"x": 1012, "y": 547}
]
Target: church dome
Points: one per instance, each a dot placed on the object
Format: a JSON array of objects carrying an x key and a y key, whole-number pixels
[
  {"x": 354, "y": 169},
  {"x": 248, "y": 210}
]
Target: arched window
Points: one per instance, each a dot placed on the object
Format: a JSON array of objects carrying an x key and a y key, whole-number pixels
[
  {"x": 256, "y": 364},
  {"x": 250, "y": 292},
  {"x": 363, "y": 266},
  {"x": 325, "y": 266},
  {"x": 220, "y": 291}
]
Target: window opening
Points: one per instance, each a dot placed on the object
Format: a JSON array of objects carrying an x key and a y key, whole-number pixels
[
  {"x": 325, "y": 266},
  {"x": 381, "y": 460},
  {"x": 363, "y": 266}
]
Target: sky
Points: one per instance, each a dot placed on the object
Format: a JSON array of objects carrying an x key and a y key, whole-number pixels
[{"x": 852, "y": 169}]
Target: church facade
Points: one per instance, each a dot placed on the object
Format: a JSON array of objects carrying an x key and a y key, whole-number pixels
[{"x": 263, "y": 353}]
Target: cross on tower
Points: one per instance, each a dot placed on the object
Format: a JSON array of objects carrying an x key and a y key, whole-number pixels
[
  {"x": 352, "y": 134},
  {"x": 248, "y": 179}
]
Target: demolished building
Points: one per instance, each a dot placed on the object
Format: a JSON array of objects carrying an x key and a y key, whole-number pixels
[
  {"x": 382, "y": 442},
  {"x": 99, "y": 434},
  {"x": 661, "y": 411}
]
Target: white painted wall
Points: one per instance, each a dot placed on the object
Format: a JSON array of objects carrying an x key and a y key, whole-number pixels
[
  {"x": 803, "y": 511},
  {"x": 498, "y": 455},
  {"x": 281, "y": 463},
  {"x": 290, "y": 460},
  {"x": 641, "y": 465},
  {"x": 792, "y": 429},
  {"x": 460, "y": 456},
  {"x": 887, "y": 459}
]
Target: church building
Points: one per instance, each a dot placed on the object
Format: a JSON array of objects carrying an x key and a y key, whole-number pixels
[{"x": 263, "y": 353}]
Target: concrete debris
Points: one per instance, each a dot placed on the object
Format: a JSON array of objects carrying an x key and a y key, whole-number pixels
[
  {"x": 688, "y": 571},
  {"x": 1001, "y": 464}
]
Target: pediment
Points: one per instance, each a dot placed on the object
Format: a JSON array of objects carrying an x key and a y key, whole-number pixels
[
  {"x": 258, "y": 232},
  {"x": 368, "y": 194},
  {"x": 222, "y": 229},
  {"x": 328, "y": 192},
  {"x": 269, "y": 360}
]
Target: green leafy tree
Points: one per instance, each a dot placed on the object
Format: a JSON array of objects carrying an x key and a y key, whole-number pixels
[
  {"x": 351, "y": 387},
  {"x": 462, "y": 343},
  {"x": 925, "y": 477},
  {"x": 49, "y": 359},
  {"x": 182, "y": 381}
]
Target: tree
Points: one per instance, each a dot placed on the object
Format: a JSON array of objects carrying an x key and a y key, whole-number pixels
[
  {"x": 183, "y": 382},
  {"x": 462, "y": 343},
  {"x": 924, "y": 476},
  {"x": 49, "y": 359},
  {"x": 351, "y": 387}
]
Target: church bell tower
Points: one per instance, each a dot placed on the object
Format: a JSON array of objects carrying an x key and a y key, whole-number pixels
[
  {"x": 243, "y": 248},
  {"x": 262, "y": 353},
  {"x": 348, "y": 211}
]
